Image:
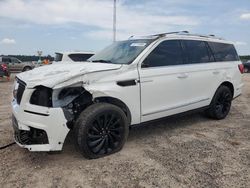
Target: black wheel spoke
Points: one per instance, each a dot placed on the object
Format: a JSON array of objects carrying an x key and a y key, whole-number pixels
[
  {"x": 99, "y": 146},
  {"x": 116, "y": 136},
  {"x": 110, "y": 121},
  {"x": 115, "y": 123},
  {"x": 95, "y": 129},
  {"x": 93, "y": 136},
  {"x": 95, "y": 142}
]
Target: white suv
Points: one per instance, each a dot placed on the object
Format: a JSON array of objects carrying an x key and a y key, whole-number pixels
[{"x": 128, "y": 83}]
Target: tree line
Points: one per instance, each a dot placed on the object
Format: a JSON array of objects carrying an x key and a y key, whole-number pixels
[{"x": 32, "y": 57}]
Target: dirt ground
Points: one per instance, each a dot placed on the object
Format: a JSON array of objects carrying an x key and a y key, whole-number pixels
[{"x": 189, "y": 151}]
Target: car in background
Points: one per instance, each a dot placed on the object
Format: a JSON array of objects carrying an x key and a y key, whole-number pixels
[
  {"x": 246, "y": 66},
  {"x": 4, "y": 71},
  {"x": 73, "y": 56},
  {"x": 15, "y": 65}
]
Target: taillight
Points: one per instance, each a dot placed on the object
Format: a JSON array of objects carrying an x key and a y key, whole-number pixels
[{"x": 241, "y": 68}]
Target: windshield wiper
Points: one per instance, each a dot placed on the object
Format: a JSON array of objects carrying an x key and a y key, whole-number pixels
[{"x": 102, "y": 61}]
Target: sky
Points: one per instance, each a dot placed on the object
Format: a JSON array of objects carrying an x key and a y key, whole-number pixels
[{"x": 27, "y": 26}]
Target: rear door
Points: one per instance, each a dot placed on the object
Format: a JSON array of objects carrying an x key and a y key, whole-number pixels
[{"x": 203, "y": 74}]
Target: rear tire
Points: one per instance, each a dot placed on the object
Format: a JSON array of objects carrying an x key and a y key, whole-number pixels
[
  {"x": 101, "y": 130},
  {"x": 221, "y": 103}
]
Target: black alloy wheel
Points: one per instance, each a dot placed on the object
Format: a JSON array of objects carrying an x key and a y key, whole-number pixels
[
  {"x": 100, "y": 130},
  {"x": 106, "y": 132},
  {"x": 221, "y": 103}
]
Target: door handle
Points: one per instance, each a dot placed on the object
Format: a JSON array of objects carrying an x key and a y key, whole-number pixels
[
  {"x": 182, "y": 76},
  {"x": 216, "y": 72}
]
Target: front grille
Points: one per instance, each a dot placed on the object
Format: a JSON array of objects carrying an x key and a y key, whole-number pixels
[{"x": 20, "y": 91}]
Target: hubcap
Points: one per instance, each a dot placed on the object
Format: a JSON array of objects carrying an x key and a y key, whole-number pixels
[
  {"x": 223, "y": 103},
  {"x": 106, "y": 133}
]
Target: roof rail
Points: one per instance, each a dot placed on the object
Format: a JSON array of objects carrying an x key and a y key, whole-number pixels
[
  {"x": 159, "y": 35},
  {"x": 156, "y": 36}
]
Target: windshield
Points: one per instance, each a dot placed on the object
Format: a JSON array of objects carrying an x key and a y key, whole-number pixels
[{"x": 122, "y": 52}]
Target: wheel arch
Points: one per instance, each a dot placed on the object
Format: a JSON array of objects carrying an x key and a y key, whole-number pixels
[
  {"x": 26, "y": 67},
  {"x": 116, "y": 102}
]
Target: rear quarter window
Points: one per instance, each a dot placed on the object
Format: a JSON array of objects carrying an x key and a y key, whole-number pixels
[{"x": 223, "y": 52}]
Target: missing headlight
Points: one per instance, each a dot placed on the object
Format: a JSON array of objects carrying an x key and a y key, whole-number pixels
[
  {"x": 42, "y": 96},
  {"x": 65, "y": 96}
]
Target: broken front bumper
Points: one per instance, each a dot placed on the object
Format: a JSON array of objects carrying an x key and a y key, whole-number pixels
[{"x": 38, "y": 128}]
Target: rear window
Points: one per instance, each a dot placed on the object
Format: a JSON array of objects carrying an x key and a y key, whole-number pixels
[
  {"x": 224, "y": 52},
  {"x": 80, "y": 57},
  {"x": 197, "y": 52},
  {"x": 58, "y": 57}
]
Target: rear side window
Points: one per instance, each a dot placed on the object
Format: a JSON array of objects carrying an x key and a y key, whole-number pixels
[
  {"x": 6, "y": 60},
  {"x": 197, "y": 52},
  {"x": 224, "y": 52},
  {"x": 80, "y": 57},
  {"x": 166, "y": 53}
]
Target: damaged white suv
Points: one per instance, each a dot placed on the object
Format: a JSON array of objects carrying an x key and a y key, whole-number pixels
[{"x": 128, "y": 83}]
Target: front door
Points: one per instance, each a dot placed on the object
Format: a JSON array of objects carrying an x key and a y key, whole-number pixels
[{"x": 164, "y": 82}]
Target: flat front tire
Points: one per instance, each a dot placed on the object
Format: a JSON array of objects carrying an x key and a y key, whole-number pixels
[
  {"x": 221, "y": 103},
  {"x": 101, "y": 130}
]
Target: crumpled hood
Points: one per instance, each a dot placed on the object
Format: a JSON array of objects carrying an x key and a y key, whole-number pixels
[{"x": 51, "y": 75}]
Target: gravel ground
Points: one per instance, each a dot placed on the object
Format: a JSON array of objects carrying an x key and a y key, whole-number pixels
[{"x": 189, "y": 151}]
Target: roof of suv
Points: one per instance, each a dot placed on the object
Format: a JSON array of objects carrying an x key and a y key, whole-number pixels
[{"x": 183, "y": 35}]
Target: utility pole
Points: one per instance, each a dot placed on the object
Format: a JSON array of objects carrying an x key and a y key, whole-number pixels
[{"x": 114, "y": 22}]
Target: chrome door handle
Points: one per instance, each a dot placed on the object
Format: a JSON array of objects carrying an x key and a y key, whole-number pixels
[
  {"x": 216, "y": 72},
  {"x": 182, "y": 76}
]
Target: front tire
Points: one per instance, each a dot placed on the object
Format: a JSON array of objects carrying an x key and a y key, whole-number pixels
[
  {"x": 221, "y": 103},
  {"x": 101, "y": 130}
]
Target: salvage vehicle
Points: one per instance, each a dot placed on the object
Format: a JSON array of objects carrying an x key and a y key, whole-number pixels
[
  {"x": 72, "y": 56},
  {"x": 15, "y": 65},
  {"x": 128, "y": 83}
]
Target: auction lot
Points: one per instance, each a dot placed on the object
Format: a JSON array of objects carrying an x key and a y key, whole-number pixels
[{"x": 188, "y": 151}]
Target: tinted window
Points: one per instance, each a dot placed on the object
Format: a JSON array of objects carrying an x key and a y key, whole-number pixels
[
  {"x": 197, "y": 51},
  {"x": 6, "y": 60},
  {"x": 224, "y": 52},
  {"x": 166, "y": 53},
  {"x": 13, "y": 60},
  {"x": 80, "y": 57},
  {"x": 58, "y": 57}
]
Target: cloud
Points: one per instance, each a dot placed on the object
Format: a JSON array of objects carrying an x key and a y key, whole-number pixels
[
  {"x": 245, "y": 16},
  {"x": 239, "y": 43},
  {"x": 8, "y": 41},
  {"x": 94, "y": 13}
]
